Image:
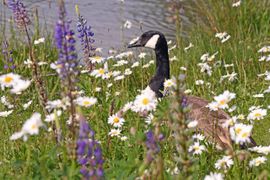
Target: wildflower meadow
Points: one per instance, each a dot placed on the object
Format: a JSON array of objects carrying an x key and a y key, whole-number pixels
[{"x": 70, "y": 111}]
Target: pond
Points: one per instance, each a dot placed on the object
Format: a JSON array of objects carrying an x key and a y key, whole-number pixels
[{"x": 107, "y": 18}]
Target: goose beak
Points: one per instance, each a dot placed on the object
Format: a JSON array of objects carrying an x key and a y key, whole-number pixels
[{"x": 135, "y": 43}]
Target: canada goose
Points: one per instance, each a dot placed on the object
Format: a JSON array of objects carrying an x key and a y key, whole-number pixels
[{"x": 209, "y": 122}]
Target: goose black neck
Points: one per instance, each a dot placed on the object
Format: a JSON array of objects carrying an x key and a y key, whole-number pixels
[{"x": 162, "y": 68}]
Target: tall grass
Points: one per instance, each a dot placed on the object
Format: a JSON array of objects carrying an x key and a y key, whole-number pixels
[{"x": 41, "y": 158}]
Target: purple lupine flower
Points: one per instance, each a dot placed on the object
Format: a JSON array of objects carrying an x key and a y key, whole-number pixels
[
  {"x": 19, "y": 11},
  {"x": 184, "y": 102},
  {"x": 152, "y": 145},
  {"x": 8, "y": 59},
  {"x": 86, "y": 39},
  {"x": 65, "y": 43},
  {"x": 89, "y": 154}
]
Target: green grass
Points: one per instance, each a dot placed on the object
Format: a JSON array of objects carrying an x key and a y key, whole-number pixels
[{"x": 41, "y": 158}]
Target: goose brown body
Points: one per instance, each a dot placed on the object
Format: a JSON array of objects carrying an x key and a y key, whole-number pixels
[{"x": 210, "y": 123}]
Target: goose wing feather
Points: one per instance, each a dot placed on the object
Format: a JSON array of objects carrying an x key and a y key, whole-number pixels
[{"x": 210, "y": 122}]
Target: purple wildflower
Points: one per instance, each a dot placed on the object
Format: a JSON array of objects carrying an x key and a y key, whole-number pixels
[
  {"x": 8, "y": 59},
  {"x": 184, "y": 103},
  {"x": 89, "y": 154},
  {"x": 152, "y": 145},
  {"x": 20, "y": 14},
  {"x": 86, "y": 38},
  {"x": 65, "y": 42}
]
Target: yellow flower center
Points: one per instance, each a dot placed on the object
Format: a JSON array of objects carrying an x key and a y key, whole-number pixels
[
  {"x": 101, "y": 71},
  {"x": 238, "y": 130},
  {"x": 145, "y": 101},
  {"x": 97, "y": 58},
  {"x": 196, "y": 148},
  {"x": 86, "y": 103},
  {"x": 116, "y": 120},
  {"x": 245, "y": 135},
  {"x": 222, "y": 102},
  {"x": 257, "y": 115},
  {"x": 34, "y": 126},
  {"x": 8, "y": 79}
]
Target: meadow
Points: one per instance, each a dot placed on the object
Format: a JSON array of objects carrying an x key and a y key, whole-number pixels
[{"x": 66, "y": 117}]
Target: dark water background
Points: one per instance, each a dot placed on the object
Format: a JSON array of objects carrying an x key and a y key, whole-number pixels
[{"x": 107, "y": 17}]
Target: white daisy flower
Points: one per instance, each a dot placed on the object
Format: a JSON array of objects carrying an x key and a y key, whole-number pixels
[
  {"x": 257, "y": 161},
  {"x": 86, "y": 101},
  {"x": 196, "y": 148},
  {"x": 55, "y": 66},
  {"x": 146, "y": 100},
  {"x": 188, "y": 91},
  {"x": 142, "y": 55},
  {"x": 97, "y": 59},
  {"x": 205, "y": 68},
  {"x": 169, "y": 83},
  {"x": 214, "y": 176},
  {"x": 172, "y": 48},
  {"x": 55, "y": 104},
  {"x": 109, "y": 85},
  {"x": 26, "y": 105},
  {"x": 116, "y": 121},
  {"x": 257, "y": 114},
  {"x": 6, "y": 102},
  {"x": 261, "y": 149},
  {"x": 236, "y": 4},
  {"x": 5, "y": 113},
  {"x": 120, "y": 63},
  {"x": 224, "y": 163},
  {"x": 224, "y": 99},
  {"x": 123, "y": 138},
  {"x": 146, "y": 65},
  {"x": 101, "y": 72},
  {"x": 264, "y": 49},
  {"x": 149, "y": 118},
  {"x": 40, "y": 40},
  {"x": 188, "y": 47},
  {"x": 240, "y": 133},
  {"x": 115, "y": 132},
  {"x": 20, "y": 86},
  {"x": 135, "y": 64},
  {"x": 127, "y": 72},
  {"x": 192, "y": 124},
  {"x": 199, "y": 137},
  {"x": 223, "y": 36},
  {"x": 117, "y": 78},
  {"x": 174, "y": 58},
  {"x": 183, "y": 68},
  {"x": 258, "y": 95},
  {"x": 31, "y": 127},
  {"x": 230, "y": 122},
  {"x": 199, "y": 82},
  {"x": 9, "y": 80},
  {"x": 51, "y": 117},
  {"x": 98, "y": 89},
  {"x": 213, "y": 106}
]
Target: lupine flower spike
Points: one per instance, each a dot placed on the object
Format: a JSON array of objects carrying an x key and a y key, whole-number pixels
[
  {"x": 22, "y": 20},
  {"x": 86, "y": 38},
  {"x": 67, "y": 61},
  {"x": 89, "y": 153}
]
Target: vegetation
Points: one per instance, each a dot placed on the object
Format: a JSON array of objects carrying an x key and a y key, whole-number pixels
[{"x": 235, "y": 63}]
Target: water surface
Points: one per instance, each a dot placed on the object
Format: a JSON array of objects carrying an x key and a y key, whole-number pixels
[{"x": 107, "y": 18}]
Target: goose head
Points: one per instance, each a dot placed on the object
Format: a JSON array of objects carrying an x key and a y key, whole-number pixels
[{"x": 150, "y": 39}]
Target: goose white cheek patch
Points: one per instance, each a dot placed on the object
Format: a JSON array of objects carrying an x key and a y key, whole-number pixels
[{"x": 151, "y": 43}]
